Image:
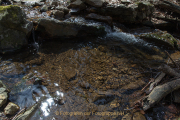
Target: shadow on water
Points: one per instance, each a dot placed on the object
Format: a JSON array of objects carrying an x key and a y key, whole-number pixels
[{"x": 86, "y": 74}]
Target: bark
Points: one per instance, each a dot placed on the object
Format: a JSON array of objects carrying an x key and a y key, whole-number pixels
[
  {"x": 159, "y": 92},
  {"x": 156, "y": 81},
  {"x": 168, "y": 70},
  {"x": 169, "y": 6}
]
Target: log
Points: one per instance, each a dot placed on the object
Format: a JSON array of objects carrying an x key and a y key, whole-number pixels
[
  {"x": 168, "y": 70},
  {"x": 159, "y": 92},
  {"x": 169, "y": 6},
  {"x": 156, "y": 81}
]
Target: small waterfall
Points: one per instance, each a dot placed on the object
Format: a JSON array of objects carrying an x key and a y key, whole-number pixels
[{"x": 34, "y": 44}]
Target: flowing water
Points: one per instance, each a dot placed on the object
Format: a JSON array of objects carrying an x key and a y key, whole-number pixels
[{"x": 89, "y": 78}]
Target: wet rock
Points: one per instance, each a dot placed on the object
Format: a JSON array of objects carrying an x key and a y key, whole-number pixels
[
  {"x": 3, "y": 94},
  {"x": 2, "y": 85},
  {"x": 58, "y": 14},
  {"x": 59, "y": 98},
  {"x": 53, "y": 3},
  {"x": 44, "y": 8},
  {"x": 55, "y": 28},
  {"x": 14, "y": 28},
  {"x": 145, "y": 9},
  {"x": 62, "y": 8},
  {"x": 11, "y": 109},
  {"x": 3, "y": 98},
  {"x": 38, "y": 4},
  {"x": 31, "y": 1},
  {"x": 102, "y": 97},
  {"x": 100, "y": 18},
  {"x": 128, "y": 116},
  {"x": 95, "y": 3},
  {"x": 75, "y": 11},
  {"x": 161, "y": 39},
  {"x": 131, "y": 13},
  {"x": 138, "y": 116},
  {"x": 122, "y": 12},
  {"x": 70, "y": 73},
  {"x": 85, "y": 85},
  {"x": 125, "y": 1},
  {"x": 77, "y": 4},
  {"x": 129, "y": 89}
]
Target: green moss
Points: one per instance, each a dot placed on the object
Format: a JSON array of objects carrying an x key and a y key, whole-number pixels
[
  {"x": 11, "y": 16},
  {"x": 164, "y": 37}
]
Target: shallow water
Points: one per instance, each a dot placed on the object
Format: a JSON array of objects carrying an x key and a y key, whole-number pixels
[{"x": 82, "y": 79}]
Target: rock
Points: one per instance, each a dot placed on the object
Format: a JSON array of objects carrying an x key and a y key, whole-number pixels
[
  {"x": 75, "y": 11},
  {"x": 123, "y": 13},
  {"x": 70, "y": 73},
  {"x": 100, "y": 18},
  {"x": 138, "y": 116},
  {"x": 132, "y": 13},
  {"x": 95, "y": 3},
  {"x": 3, "y": 98},
  {"x": 2, "y": 85},
  {"x": 53, "y": 3},
  {"x": 11, "y": 109},
  {"x": 14, "y": 28},
  {"x": 77, "y": 4},
  {"x": 31, "y": 1},
  {"x": 125, "y": 1},
  {"x": 145, "y": 9},
  {"x": 161, "y": 39},
  {"x": 85, "y": 85},
  {"x": 128, "y": 116},
  {"x": 44, "y": 8},
  {"x": 64, "y": 9},
  {"x": 55, "y": 28},
  {"x": 102, "y": 99},
  {"x": 58, "y": 14},
  {"x": 131, "y": 87},
  {"x": 2, "y": 90}
]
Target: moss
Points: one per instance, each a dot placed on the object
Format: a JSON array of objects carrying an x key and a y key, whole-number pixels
[
  {"x": 11, "y": 16},
  {"x": 162, "y": 37}
]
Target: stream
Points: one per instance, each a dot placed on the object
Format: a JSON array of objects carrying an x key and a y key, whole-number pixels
[{"x": 88, "y": 78}]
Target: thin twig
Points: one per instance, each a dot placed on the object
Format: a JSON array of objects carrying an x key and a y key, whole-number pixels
[
  {"x": 172, "y": 59},
  {"x": 24, "y": 109}
]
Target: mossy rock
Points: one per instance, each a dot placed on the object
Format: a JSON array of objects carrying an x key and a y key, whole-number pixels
[
  {"x": 161, "y": 39},
  {"x": 14, "y": 28},
  {"x": 12, "y": 16}
]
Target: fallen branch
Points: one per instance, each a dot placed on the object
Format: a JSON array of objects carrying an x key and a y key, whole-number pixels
[
  {"x": 172, "y": 59},
  {"x": 156, "y": 81},
  {"x": 170, "y": 6},
  {"x": 159, "y": 92},
  {"x": 168, "y": 70}
]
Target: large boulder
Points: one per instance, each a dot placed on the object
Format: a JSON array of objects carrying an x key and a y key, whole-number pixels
[
  {"x": 161, "y": 39},
  {"x": 132, "y": 13},
  {"x": 14, "y": 28},
  {"x": 52, "y": 28}
]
